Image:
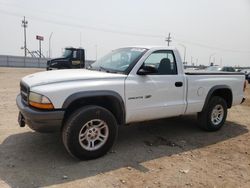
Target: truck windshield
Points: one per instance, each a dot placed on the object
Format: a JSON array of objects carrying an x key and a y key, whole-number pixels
[
  {"x": 120, "y": 60},
  {"x": 67, "y": 53}
]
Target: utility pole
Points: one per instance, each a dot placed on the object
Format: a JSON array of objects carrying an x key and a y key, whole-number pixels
[
  {"x": 80, "y": 39},
  {"x": 209, "y": 61},
  {"x": 168, "y": 39},
  {"x": 50, "y": 44},
  {"x": 40, "y": 39},
  {"x": 25, "y": 25},
  {"x": 40, "y": 49},
  {"x": 185, "y": 49},
  {"x": 96, "y": 52}
]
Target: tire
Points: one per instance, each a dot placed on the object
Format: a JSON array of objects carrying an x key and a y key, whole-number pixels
[
  {"x": 94, "y": 142},
  {"x": 214, "y": 115}
]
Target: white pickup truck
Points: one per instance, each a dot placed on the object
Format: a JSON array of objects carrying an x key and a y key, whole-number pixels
[{"x": 128, "y": 85}]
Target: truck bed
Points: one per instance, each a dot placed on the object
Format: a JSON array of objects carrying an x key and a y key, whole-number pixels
[
  {"x": 212, "y": 73},
  {"x": 201, "y": 82}
]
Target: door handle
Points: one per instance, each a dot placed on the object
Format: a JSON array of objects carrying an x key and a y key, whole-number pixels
[{"x": 178, "y": 84}]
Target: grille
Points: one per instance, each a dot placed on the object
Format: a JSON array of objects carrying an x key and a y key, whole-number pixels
[{"x": 24, "y": 90}]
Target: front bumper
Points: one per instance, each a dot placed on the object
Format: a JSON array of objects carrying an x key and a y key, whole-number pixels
[{"x": 38, "y": 120}]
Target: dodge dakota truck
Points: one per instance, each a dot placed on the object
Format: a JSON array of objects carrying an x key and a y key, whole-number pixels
[{"x": 132, "y": 84}]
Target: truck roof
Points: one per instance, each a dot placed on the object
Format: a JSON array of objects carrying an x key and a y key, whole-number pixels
[
  {"x": 72, "y": 48},
  {"x": 153, "y": 47}
]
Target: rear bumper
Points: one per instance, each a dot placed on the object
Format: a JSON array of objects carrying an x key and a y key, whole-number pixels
[{"x": 38, "y": 120}]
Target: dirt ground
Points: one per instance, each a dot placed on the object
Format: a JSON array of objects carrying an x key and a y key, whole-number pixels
[{"x": 164, "y": 153}]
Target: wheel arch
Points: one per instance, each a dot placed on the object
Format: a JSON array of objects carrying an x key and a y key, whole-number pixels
[
  {"x": 223, "y": 91},
  {"x": 107, "y": 99}
]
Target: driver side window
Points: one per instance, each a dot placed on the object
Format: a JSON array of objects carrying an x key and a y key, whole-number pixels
[
  {"x": 163, "y": 61},
  {"x": 74, "y": 54}
]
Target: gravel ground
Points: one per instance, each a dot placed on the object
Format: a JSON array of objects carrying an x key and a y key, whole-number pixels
[{"x": 172, "y": 152}]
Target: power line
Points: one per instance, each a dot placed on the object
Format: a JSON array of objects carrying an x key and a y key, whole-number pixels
[
  {"x": 89, "y": 27},
  {"x": 210, "y": 47},
  {"x": 168, "y": 39},
  {"x": 69, "y": 17}
]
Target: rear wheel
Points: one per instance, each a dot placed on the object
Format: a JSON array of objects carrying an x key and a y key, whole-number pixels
[
  {"x": 89, "y": 132},
  {"x": 214, "y": 116}
]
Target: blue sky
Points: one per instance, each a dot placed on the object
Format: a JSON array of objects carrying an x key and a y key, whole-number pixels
[{"x": 205, "y": 27}]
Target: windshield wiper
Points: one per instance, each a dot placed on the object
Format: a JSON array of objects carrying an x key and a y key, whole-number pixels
[{"x": 106, "y": 70}]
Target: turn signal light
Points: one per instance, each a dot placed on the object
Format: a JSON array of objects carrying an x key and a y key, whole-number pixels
[{"x": 47, "y": 106}]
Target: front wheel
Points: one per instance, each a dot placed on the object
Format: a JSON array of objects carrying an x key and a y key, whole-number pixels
[
  {"x": 213, "y": 117},
  {"x": 89, "y": 132}
]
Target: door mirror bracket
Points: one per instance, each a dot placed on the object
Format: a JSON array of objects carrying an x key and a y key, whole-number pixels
[{"x": 144, "y": 70}]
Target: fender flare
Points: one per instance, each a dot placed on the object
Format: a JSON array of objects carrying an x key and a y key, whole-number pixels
[
  {"x": 211, "y": 91},
  {"x": 103, "y": 93}
]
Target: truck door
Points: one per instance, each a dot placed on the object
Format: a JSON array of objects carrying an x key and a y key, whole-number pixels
[
  {"x": 156, "y": 95},
  {"x": 76, "y": 63}
]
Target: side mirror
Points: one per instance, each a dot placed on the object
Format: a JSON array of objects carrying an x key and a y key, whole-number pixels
[{"x": 144, "y": 70}]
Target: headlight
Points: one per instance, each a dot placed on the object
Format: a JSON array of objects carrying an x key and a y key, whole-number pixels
[{"x": 39, "y": 101}]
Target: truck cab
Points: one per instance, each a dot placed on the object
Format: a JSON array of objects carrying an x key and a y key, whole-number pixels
[{"x": 72, "y": 58}]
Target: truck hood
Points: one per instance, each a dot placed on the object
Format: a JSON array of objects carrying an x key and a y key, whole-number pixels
[
  {"x": 48, "y": 77},
  {"x": 56, "y": 59}
]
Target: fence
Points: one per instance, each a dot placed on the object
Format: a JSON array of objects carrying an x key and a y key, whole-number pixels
[{"x": 19, "y": 61}]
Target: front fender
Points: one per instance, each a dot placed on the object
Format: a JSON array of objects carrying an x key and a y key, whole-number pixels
[{"x": 92, "y": 94}]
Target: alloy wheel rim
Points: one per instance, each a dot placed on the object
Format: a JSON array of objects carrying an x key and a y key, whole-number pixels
[
  {"x": 93, "y": 134},
  {"x": 217, "y": 114}
]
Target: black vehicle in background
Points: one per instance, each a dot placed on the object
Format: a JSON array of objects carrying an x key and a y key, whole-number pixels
[
  {"x": 247, "y": 74},
  {"x": 72, "y": 58}
]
